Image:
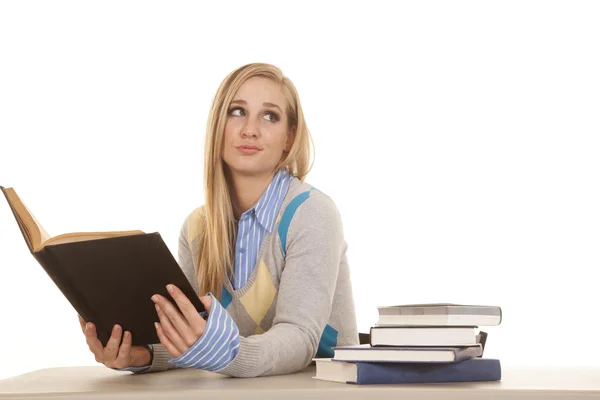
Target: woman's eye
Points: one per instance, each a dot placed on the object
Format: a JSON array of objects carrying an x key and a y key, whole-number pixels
[
  {"x": 273, "y": 117},
  {"x": 236, "y": 112}
]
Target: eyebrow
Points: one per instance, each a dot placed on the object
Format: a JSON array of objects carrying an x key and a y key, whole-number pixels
[{"x": 264, "y": 104}]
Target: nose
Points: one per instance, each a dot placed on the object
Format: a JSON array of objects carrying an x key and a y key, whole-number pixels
[{"x": 250, "y": 129}]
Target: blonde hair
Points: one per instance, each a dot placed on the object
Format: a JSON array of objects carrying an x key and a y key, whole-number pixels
[{"x": 218, "y": 228}]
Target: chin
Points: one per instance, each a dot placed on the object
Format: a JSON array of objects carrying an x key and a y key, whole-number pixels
[{"x": 250, "y": 170}]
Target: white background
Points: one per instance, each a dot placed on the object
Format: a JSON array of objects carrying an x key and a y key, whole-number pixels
[{"x": 458, "y": 139}]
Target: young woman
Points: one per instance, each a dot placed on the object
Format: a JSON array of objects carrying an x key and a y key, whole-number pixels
[{"x": 266, "y": 249}]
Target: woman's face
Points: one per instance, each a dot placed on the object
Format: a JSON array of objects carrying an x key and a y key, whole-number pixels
[{"x": 256, "y": 131}]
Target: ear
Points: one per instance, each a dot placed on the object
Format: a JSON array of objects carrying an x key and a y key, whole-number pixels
[{"x": 291, "y": 135}]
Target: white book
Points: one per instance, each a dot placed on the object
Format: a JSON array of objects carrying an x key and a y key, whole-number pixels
[
  {"x": 423, "y": 336},
  {"x": 439, "y": 314}
]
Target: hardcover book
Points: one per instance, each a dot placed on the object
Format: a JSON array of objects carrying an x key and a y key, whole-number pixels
[
  {"x": 367, "y": 353},
  {"x": 108, "y": 277},
  {"x": 365, "y": 373}
]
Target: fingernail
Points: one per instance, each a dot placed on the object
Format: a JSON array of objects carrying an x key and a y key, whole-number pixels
[
  {"x": 170, "y": 288},
  {"x": 157, "y": 307},
  {"x": 155, "y": 298},
  {"x": 156, "y": 325},
  {"x": 127, "y": 334}
]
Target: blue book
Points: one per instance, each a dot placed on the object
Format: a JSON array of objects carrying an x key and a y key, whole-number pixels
[{"x": 366, "y": 373}]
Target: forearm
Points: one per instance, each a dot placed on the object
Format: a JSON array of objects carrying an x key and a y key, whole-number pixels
[{"x": 285, "y": 348}]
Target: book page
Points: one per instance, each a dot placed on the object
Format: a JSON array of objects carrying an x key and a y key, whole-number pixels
[
  {"x": 43, "y": 234},
  {"x": 29, "y": 226},
  {"x": 83, "y": 236}
]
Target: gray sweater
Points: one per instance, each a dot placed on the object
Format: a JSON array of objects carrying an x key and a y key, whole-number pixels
[{"x": 292, "y": 306}]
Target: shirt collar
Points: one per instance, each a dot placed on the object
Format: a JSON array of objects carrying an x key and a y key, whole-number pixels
[{"x": 265, "y": 209}]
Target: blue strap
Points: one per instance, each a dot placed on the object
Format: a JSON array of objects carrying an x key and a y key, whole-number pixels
[
  {"x": 225, "y": 297},
  {"x": 327, "y": 343},
  {"x": 287, "y": 216}
]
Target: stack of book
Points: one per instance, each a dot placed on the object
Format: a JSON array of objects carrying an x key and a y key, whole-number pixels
[{"x": 418, "y": 343}]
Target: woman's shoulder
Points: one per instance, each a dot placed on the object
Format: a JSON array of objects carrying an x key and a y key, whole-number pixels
[
  {"x": 311, "y": 202},
  {"x": 310, "y": 213}
]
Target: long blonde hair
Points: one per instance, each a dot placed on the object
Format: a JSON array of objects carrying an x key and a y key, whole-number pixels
[{"x": 218, "y": 227}]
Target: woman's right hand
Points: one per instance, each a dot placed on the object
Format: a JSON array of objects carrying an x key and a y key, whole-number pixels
[{"x": 116, "y": 354}]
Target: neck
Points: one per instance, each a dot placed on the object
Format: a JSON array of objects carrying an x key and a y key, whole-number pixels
[{"x": 246, "y": 191}]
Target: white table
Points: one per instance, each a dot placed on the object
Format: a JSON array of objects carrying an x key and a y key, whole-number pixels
[{"x": 103, "y": 383}]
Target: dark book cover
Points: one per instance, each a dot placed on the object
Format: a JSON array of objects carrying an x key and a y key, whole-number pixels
[{"x": 110, "y": 281}]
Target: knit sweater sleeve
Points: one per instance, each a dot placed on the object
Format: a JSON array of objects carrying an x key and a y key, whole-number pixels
[{"x": 306, "y": 289}]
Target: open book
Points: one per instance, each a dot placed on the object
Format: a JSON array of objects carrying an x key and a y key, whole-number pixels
[
  {"x": 108, "y": 277},
  {"x": 37, "y": 237}
]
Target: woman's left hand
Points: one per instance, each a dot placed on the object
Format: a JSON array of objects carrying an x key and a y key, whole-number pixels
[{"x": 180, "y": 326}]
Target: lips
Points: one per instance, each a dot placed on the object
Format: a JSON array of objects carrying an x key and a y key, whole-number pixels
[{"x": 248, "y": 149}]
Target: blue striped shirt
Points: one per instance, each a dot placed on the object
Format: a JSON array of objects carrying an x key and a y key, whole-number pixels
[
  {"x": 220, "y": 342},
  {"x": 218, "y": 345},
  {"x": 254, "y": 225}
]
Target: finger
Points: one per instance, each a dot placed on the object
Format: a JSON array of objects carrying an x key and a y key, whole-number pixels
[
  {"x": 94, "y": 344},
  {"x": 166, "y": 342},
  {"x": 123, "y": 356},
  {"x": 186, "y": 307},
  {"x": 190, "y": 316},
  {"x": 169, "y": 330},
  {"x": 177, "y": 321},
  {"x": 112, "y": 346},
  {"x": 206, "y": 302}
]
